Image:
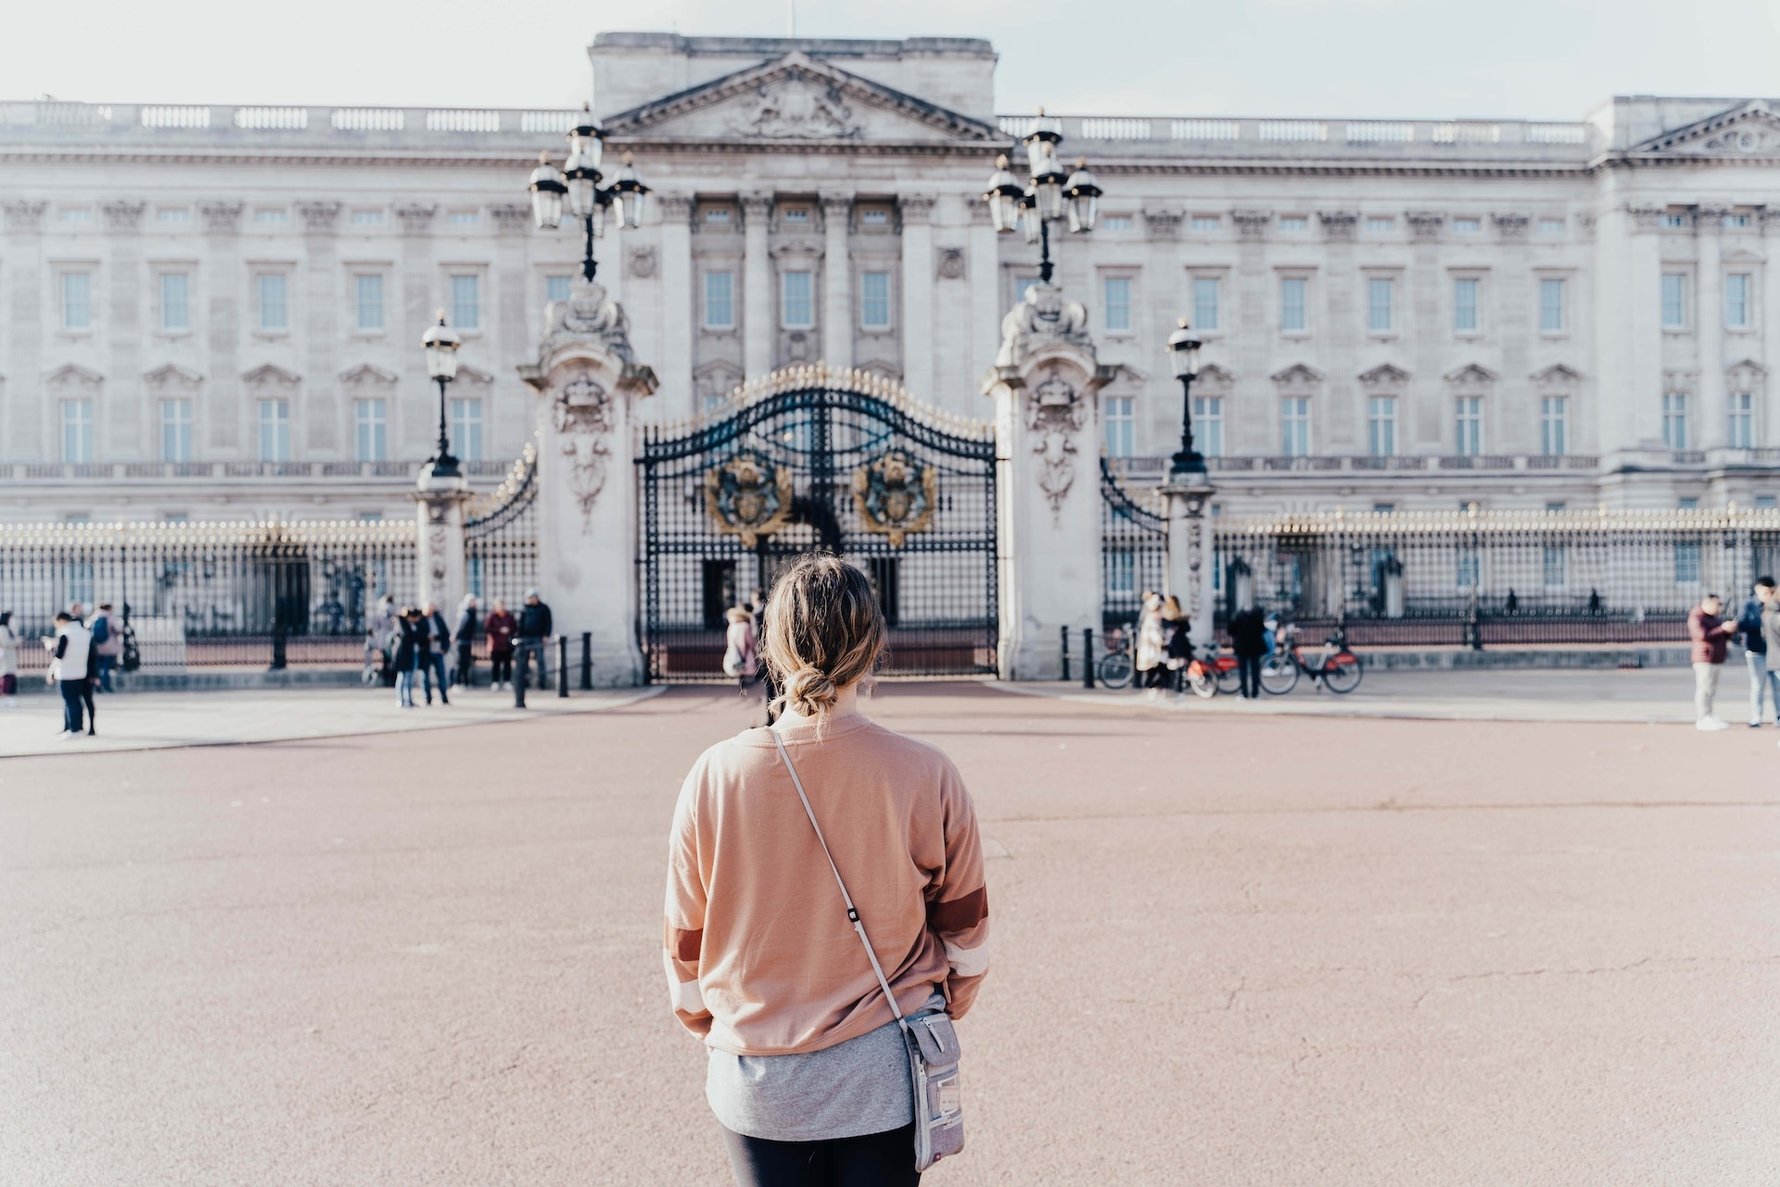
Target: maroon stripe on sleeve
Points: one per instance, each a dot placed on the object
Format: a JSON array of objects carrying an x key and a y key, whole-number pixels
[
  {"x": 959, "y": 914},
  {"x": 684, "y": 944}
]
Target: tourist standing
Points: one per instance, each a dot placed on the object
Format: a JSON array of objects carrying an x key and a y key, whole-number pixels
[
  {"x": 386, "y": 625},
  {"x": 533, "y": 634},
  {"x": 1177, "y": 644},
  {"x": 406, "y": 643},
  {"x": 467, "y": 615},
  {"x": 807, "y": 1073},
  {"x": 740, "y": 660},
  {"x": 1764, "y": 682},
  {"x": 499, "y": 627},
  {"x": 1150, "y": 654},
  {"x": 1248, "y": 641},
  {"x": 108, "y": 644},
  {"x": 438, "y": 646},
  {"x": 9, "y": 661},
  {"x": 70, "y": 651},
  {"x": 1710, "y": 636}
]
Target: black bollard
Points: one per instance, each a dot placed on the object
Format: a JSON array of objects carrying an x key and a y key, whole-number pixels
[
  {"x": 1064, "y": 631},
  {"x": 562, "y": 665},
  {"x": 586, "y": 661},
  {"x": 1087, "y": 657}
]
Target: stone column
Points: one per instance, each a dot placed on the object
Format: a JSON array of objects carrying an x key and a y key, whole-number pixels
[
  {"x": 1642, "y": 331},
  {"x": 411, "y": 429},
  {"x": 1426, "y": 334},
  {"x": 1712, "y": 424},
  {"x": 30, "y": 278},
  {"x": 679, "y": 302},
  {"x": 917, "y": 295},
  {"x": 1191, "y": 556},
  {"x": 1345, "y": 423},
  {"x": 588, "y": 385},
  {"x": 440, "y": 573},
  {"x": 219, "y": 410},
  {"x": 1767, "y": 300},
  {"x": 123, "y": 432},
  {"x": 1046, "y": 383},
  {"x": 326, "y": 429},
  {"x": 1251, "y": 424},
  {"x": 760, "y": 312},
  {"x": 837, "y": 282}
]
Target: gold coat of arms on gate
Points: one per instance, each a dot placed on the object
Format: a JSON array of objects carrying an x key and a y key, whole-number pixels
[
  {"x": 748, "y": 496},
  {"x": 896, "y": 495}
]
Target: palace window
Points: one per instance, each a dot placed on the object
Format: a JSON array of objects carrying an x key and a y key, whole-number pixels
[
  {"x": 556, "y": 288},
  {"x": 1467, "y": 226},
  {"x": 1469, "y": 569},
  {"x": 1464, "y": 305},
  {"x": 717, "y": 216},
  {"x": 797, "y": 307},
  {"x": 1120, "y": 426},
  {"x": 464, "y": 218},
  {"x": 176, "y": 310},
  {"x": 1294, "y": 426},
  {"x": 173, "y": 214},
  {"x": 1380, "y": 224},
  {"x": 1554, "y": 425},
  {"x": 1551, "y": 226},
  {"x": 370, "y": 430},
  {"x": 874, "y": 216},
  {"x": 1208, "y": 425},
  {"x": 1293, "y": 222},
  {"x": 466, "y": 428},
  {"x": 719, "y": 301},
  {"x": 1468, "y": 426},
  {"x": 271, "y": 215},
  {"x": 1204, "y": 222},
  {"x": 1116, "y": 291},
  {"x": 368, "y": 289},
  {"x": 796, "y": 215},
  {"x": 1552, "y": 566},
  {"x": 1674, "y": 300},
  {"x": 1205, "y": 303},
  {"x": 874, "y": 301},
  {"x": 176, "y": 430},
  {"x": 274, "y": 430},
  {"x": 1675, "y": 220},
  {"x": 1551, "y": 305},
  {"x": 77, "y": 302},
  {"x": 1675, "y": 420},
  {"x": 1742, "y": 420},
  {"x": 274, "y": 308},
  {"x": 75, "y": 214},
  {"x": 466, "y": 302},
  {"x": 1115, "y": 222},
  {"x": 1379, "y": 293},
  {"x": 1293, "y": 317},
  {"x": 366, "y": 218},
  {"x": 1736, "y": 300},
  {"x": 77, "y": 431},
  {"x": 1381, "y": 426}
]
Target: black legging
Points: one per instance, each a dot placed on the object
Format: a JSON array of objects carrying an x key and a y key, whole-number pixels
[
  {"x": 500, "y": 664},
  {"x": 875, "y": 1160},
  {"x": 1156, "y": 677},
  {"x": 1248, "y": 671}
]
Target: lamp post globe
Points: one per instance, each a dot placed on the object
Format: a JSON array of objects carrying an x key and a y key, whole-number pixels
[
  {"x": 628, "y": 190},
  {"x": 1004, "y": 197},
  {"x": 441, "y": 343},
  {"x": 548, "y": 191},
  {"x": 1183, "y": 353},
  {"x": 577, "y": 185},
  {"x": 1046, "y": 196},
  {"x": 1084, "y": 198}
]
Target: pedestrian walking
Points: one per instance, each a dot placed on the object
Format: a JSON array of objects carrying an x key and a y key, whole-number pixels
[
  {"x": 1151, "y": 655},
  {"x": 70, "y": 650},
  {"x": 468, "y": 613},
  {"x": 808, "y": 1074},
  {"x": 108, "y": 644},
  {"x": 406, "y": 643},
  {"x": 499, "y": 627},
  {"x": 9, "y": 662},
  {"x": 432, "y": 657},
  {"x": 740, "y": 658},
  {"x": 532, "y": 635},
  {"x": 1764, "y": 682},
  {"x": 1177, "y": 645},
  {"x": 385, "y": 626},
  {"x": 1710, "y": 636},
  {"x": 1248, "y": 641}
]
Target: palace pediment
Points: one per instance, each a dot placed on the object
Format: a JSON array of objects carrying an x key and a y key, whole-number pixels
[
  {"x": 797, "y": 99},
  {"x": 1748, "y": 130}
]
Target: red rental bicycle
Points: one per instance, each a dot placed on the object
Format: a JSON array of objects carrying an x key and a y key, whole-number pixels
[{"x": 1336, "y": 668}]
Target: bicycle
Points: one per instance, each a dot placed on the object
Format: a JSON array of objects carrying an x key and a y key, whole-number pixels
[
  {"x": 1118, "y": 665},
  {"x": 1223, "y": 670},
  {"x": 1337, "y": 668}
]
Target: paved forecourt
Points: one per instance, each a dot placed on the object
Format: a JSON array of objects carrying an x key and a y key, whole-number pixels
[{"x": 1228, "y": 951}]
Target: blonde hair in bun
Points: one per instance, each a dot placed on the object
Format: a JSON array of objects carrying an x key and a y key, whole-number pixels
[{"x": 823, "y": 632}]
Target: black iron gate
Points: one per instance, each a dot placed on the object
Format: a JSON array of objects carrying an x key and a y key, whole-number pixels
[
  {"x": 1133, "y": 551},
  {"x": 905, "y": 493},
  {"x": 501, "y": 537}
]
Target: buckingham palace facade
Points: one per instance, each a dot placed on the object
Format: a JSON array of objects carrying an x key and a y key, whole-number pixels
[{"x": 215, "y": 311}]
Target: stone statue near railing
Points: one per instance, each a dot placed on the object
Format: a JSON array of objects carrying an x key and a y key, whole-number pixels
[{"x": 588, "y": 383}]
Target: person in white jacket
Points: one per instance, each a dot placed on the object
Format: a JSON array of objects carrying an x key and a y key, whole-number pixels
[
  {"x": 72, "y": 648},
  {"x": 9, "y": 661}
]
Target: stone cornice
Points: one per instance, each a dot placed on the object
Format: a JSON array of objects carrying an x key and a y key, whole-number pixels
[
  {"x": 318, "y": 217},
  {"x": 221, "y": 217},
  {"x": 916, "y": 209},
  {"x": 755, "y": 205},
  {"x": 23, "y": 215},
  {"x": 1424, "y": 224},
  {"x": 416, "y": 217},
  {"x": 1251, "y": 224},
  {"x": 123, "y": 215},
  {"x": 1163, "y": 224},
  {"x": 1339, "y": 225},
  {"x": 1510, "y": 226}
]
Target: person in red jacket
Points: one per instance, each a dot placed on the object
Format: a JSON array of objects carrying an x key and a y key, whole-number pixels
[
  {"x": 499, "y": 627},
  {"x": 1710, "y": 634}
]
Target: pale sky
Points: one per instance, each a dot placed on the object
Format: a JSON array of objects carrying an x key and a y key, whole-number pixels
[{"x": 1550, "y": 59}]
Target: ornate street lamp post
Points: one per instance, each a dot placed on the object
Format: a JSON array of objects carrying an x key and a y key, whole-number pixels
[
  {"x": 1183, "y": 351},
  {"x": 577, "y": 182},
  {"x": 441, "y": 343},
  {"x": 1048, "y": 196}
]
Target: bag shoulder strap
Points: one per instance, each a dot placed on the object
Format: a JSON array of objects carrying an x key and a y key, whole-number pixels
[{"x": 852, "y": 911}]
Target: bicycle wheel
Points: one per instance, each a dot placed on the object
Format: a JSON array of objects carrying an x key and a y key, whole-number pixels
[
  {"x": 1343, "y": 671},
  {"x": 1202, "y": 684},
  {"x": 1229, "y": 679},
  {"x": 1279, "y": 675},
  {"x": 1115, "y": 670}
]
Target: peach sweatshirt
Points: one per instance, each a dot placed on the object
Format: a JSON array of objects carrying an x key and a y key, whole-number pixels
[{"x": 760, "y": 956}]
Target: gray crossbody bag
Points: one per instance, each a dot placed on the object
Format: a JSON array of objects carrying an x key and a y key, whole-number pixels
[{"x": 930, "y": 1039}]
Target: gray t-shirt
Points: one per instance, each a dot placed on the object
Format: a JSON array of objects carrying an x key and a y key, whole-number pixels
[{"x": 849, "y": 1090}]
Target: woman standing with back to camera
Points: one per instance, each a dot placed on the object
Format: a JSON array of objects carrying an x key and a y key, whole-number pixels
[{"x": 808, "y": 1073}]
